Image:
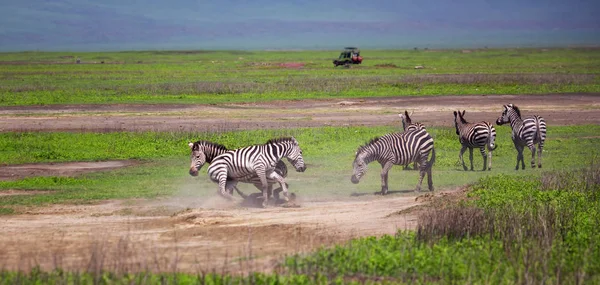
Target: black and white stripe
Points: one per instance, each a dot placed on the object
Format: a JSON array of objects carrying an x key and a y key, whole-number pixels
[
  {"x": 257, "y": 160},
  {"x": 409, "y": 125},
  {"x": 525, "y": 132},
  {"x": 205, "y": 151},
  {"x": 480, "y": 135},
  {"x": 396, "y": 149}
]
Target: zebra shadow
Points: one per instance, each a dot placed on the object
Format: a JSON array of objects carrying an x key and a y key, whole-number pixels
[
  {"x": 255, "y": 200},
  {"x": 390, "y": 192}
]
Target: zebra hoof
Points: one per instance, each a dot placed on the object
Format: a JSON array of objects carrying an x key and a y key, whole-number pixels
[{"x": 539, "y": 166}]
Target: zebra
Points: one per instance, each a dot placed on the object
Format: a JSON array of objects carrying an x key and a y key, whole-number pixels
[
  {"x": 525, "y": 132},
  {"x": 396, "y": 149},
  {"x": 408, "y": 125},
  {"x": 237, "y": 165},
  {"x": 205, "y": 151},
  {"x": 480, "y": 135}
]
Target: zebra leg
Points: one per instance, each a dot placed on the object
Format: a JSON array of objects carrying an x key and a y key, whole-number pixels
[
  {"x": 224, "y": 185},
  {"x": 282, "y": 185},
  {"x": 460, "y": 156},
  {"x": 532, "y": 148},
  {"x": 422, "y": 172},
  {"x": 385, "y": 169},
  {"x": 429, "y": 178},
  {"x": 490, "y": 159},
  {"x": 540, "y": 148},
  {"x": 482, "y": 149},
  {"x": 471, "y": 157}
]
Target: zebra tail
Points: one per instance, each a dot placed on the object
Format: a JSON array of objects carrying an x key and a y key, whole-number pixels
[
  {"x": 491, "y": 139},
  {"x": 538, "y": 133},
  {"x": 432, "y": 160}
]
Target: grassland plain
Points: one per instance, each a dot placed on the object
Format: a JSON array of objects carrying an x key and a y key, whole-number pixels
[
  {"x": 328, "y": 151},
  {"x": 39, "y": 78}
]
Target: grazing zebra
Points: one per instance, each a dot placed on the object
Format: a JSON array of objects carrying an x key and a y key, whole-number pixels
[
  {"x": 525, "y": 132},
  {"x": 237, "y": 165},
  {"x": 204, "y": 152},
  {"x": 396, "y": 149},
  {"x": 408, "y": 125},
  {"x": 475, "y": 135}
]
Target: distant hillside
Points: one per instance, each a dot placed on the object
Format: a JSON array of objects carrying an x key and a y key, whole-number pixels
[{"x": 264, "y": 24}]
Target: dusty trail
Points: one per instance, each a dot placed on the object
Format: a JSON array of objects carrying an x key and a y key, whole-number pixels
[
  {"x": 217, "y": 236},
  {"x": 559, "y": 109}
]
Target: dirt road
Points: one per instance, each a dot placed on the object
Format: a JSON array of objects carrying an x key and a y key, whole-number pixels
[{"x": 559, "y": 109}]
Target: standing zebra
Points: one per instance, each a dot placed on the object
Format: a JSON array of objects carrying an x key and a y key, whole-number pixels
[
  {"x": 408, "y": 125},
  {"x": 237, "y": 165},
  {"x": 525, "y": 132},
  {"x": 475, "y": 135},
  {"x": 205, "y": 151},
  {"x": 396, "y": 149}
]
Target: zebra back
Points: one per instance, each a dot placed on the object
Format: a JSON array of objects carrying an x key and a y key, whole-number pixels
[
  {"x": 243, "y": 162},
  {"x": 398, "y": 148}
]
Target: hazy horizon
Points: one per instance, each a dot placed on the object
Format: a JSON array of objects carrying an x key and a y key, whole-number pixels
[{"x": 71, "y": 25}]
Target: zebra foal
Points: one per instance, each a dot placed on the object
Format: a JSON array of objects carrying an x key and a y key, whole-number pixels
[
  {"x": 205, "y": 151},
  {"x": 396, "y": 149},
  {"x": 480, "y": 135},
  {"x": 237, "y": 165},
  {"x": 525, "y": 132}
]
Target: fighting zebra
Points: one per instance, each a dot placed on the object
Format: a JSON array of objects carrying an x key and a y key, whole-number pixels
[
  {"x": 525, "y": 132},
  {"x": 480, "y": 135},
  {"x": 396, "y": 149},
  {"x": 237, "y": 165},
  {"x": 408, "y": 125},
  {"x": 205, "y": 151}
]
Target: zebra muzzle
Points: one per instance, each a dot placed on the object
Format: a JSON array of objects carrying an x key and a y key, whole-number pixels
[
  {"x": 354, "y": 179},
  {"x": 193, "y": 171}
]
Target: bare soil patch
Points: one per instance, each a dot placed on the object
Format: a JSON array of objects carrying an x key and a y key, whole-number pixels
[
  {"x": 11, "y": 172},
  {"x": 557, "y": 109},
  {"x": 213, "y": 236}
]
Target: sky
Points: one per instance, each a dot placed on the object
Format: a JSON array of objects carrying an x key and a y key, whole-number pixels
[{"x": 91, "y": 25}]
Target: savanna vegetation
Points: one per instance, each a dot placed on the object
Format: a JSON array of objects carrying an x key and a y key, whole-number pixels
[
  {"x": 33, "y": 78},
  {"x": 511, "y": 227}
]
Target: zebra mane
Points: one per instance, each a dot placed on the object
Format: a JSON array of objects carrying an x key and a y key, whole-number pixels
[
  {"x": 281, "y": 140},
  {"x": 517, "y": 110},
  {"x": 365, "y": 146},
  {"x": 197, "y": 145}
]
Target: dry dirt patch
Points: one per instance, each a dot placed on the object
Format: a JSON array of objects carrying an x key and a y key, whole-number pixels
[
  {"x": 11, "y": 172},
  {"x": 216, "y": 236}
]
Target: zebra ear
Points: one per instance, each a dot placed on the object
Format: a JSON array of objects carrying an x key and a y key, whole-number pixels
[
  {"x": 463, "y": 113},
  {"x": 191, "y": 145},
  {"x": 454, "y": 114}
]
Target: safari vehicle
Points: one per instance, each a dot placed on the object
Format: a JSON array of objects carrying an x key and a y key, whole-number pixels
[{"x": 350, "y": 55}]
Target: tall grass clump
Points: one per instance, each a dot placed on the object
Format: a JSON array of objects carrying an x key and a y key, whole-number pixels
[{"x": 509, "y": 229}]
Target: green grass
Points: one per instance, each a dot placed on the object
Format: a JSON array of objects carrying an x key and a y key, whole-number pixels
[
  {"x": 40, "y": 78},
  {"x": 520, "y": 229},
  {"x": 328, "y": 152}
]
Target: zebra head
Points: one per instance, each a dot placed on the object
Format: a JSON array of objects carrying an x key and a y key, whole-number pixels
[
  {"x": 458, "y": 117},
  {"x": 359, "y": 167},
  {"x": 406, "y": 121},
  {"x": 291, "y": 150},
  {"x": 198, "y": 158},
  {"x": 510, "y": 113}
]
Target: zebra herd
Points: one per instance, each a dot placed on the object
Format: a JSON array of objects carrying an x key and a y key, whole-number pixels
[{"x": 262, "y": 164}]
